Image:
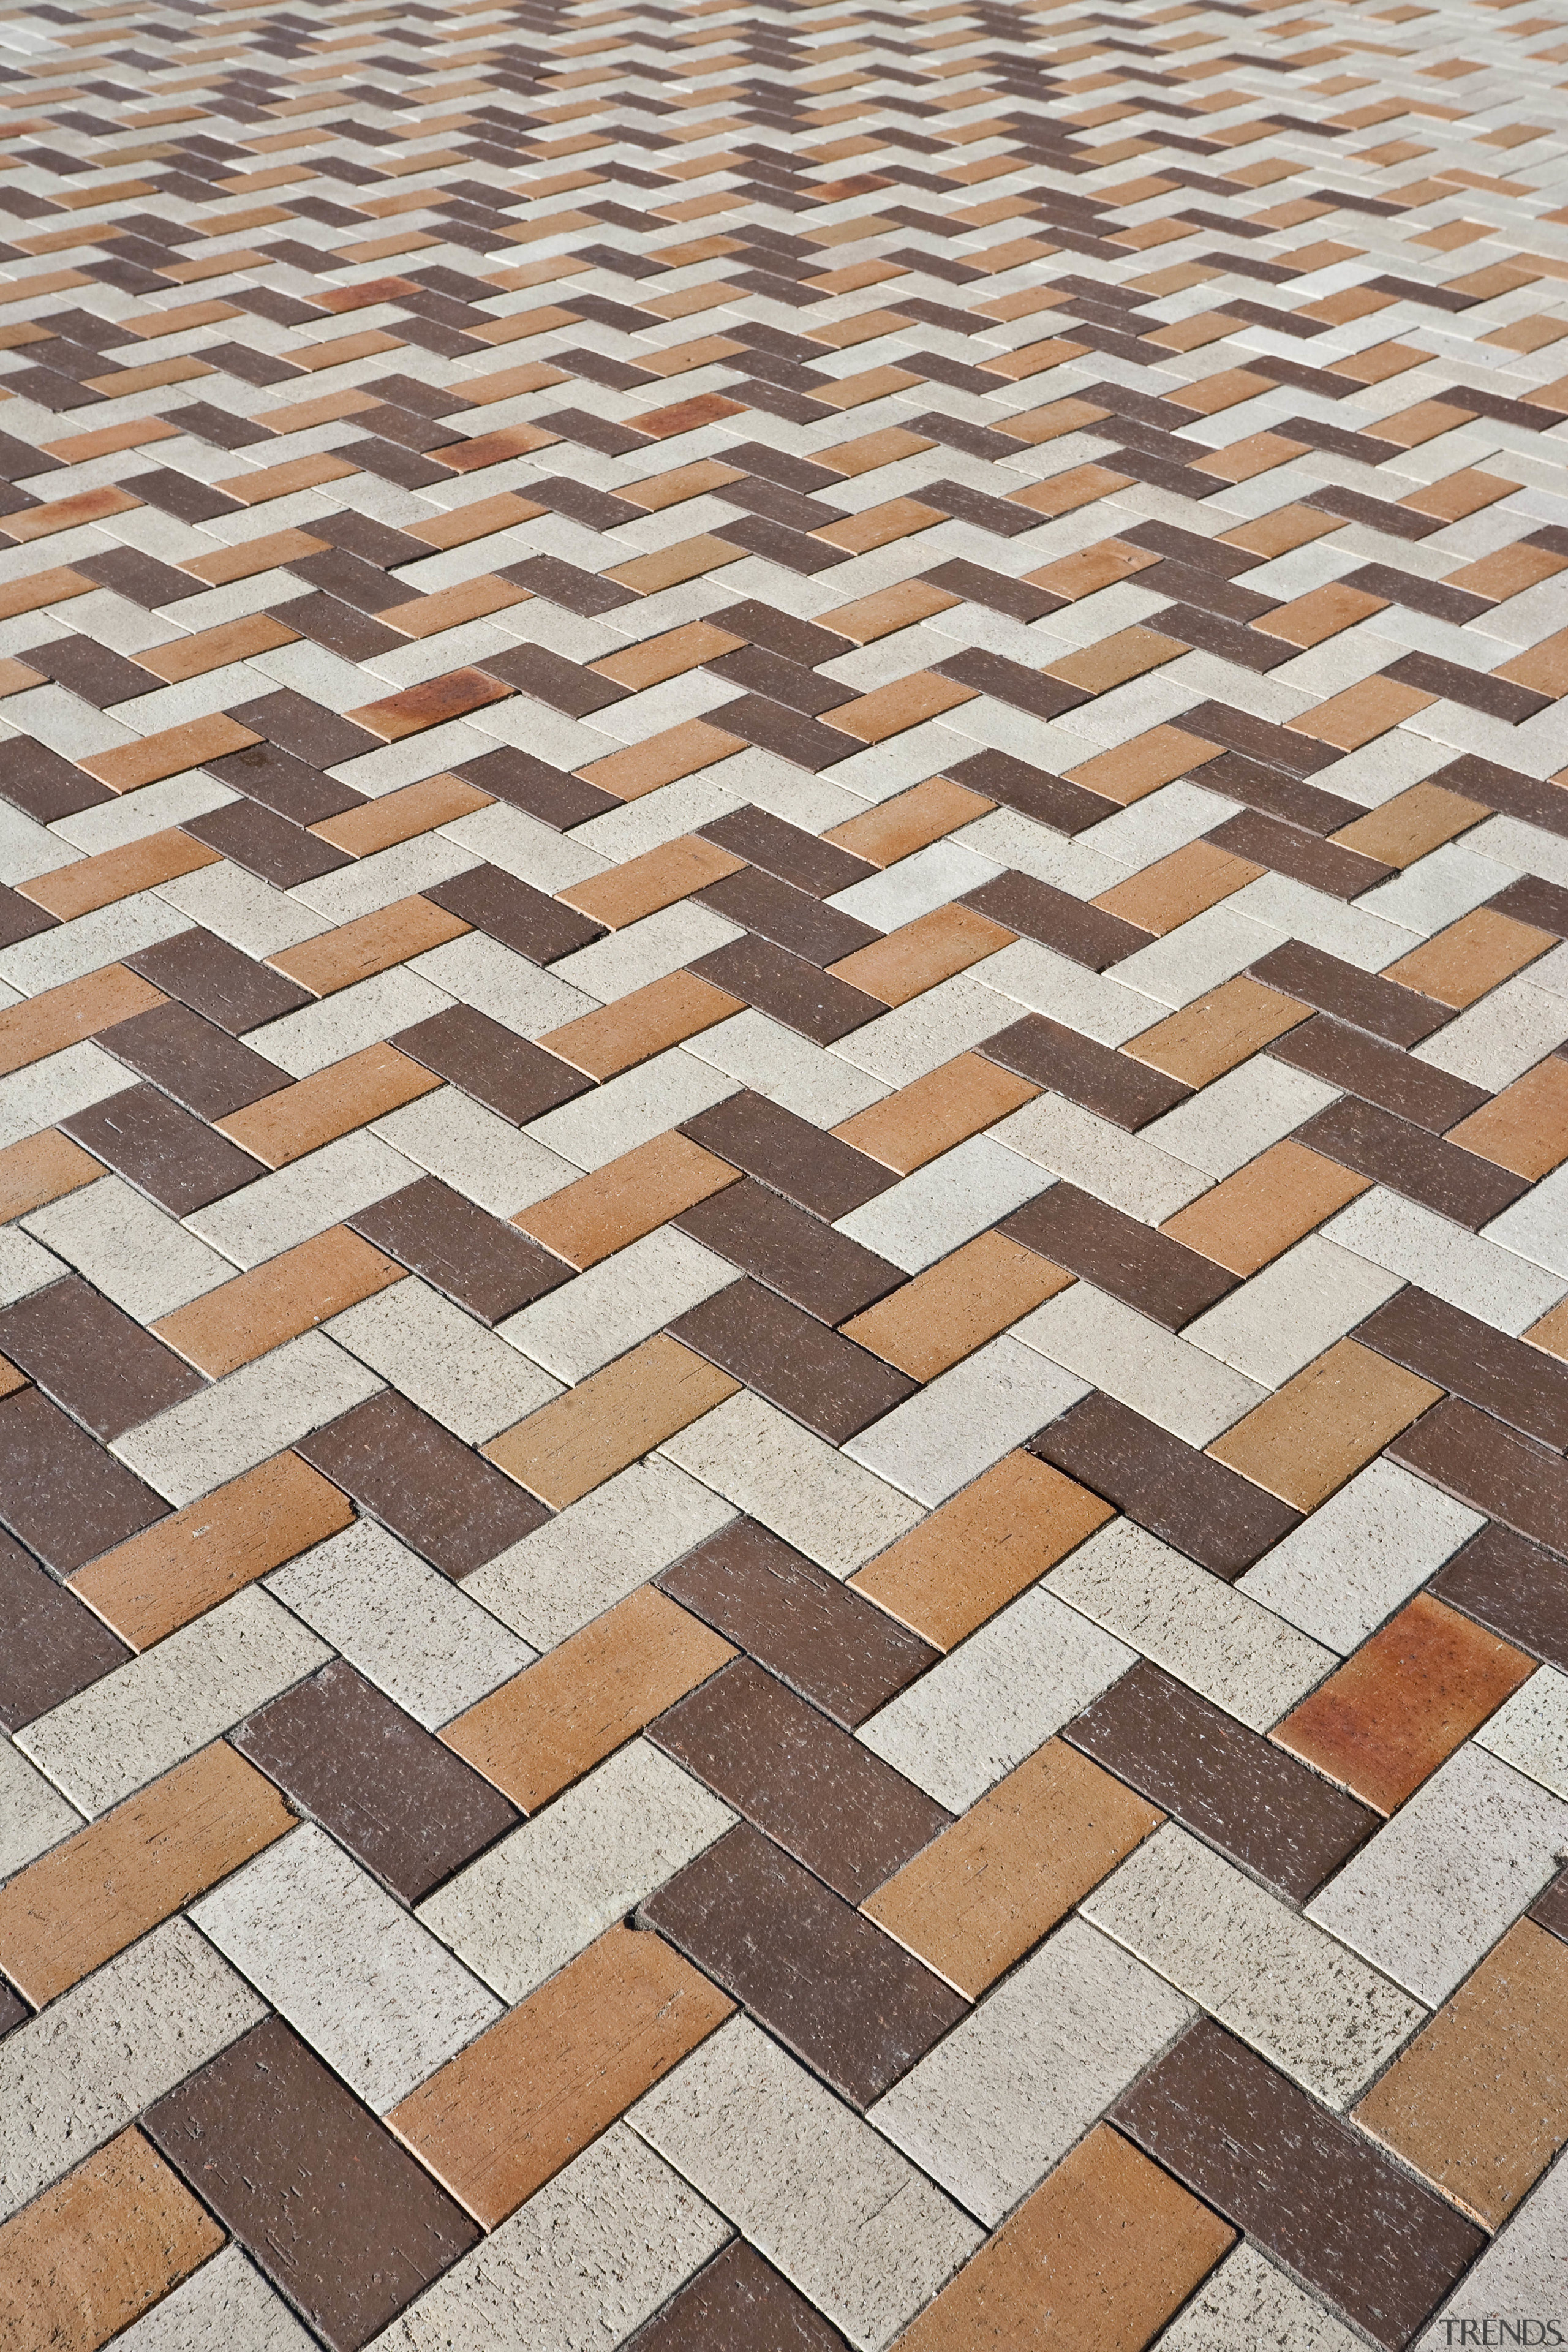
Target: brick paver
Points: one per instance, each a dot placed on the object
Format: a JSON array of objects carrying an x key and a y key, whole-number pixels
[{"x": 784, "y": 1112}]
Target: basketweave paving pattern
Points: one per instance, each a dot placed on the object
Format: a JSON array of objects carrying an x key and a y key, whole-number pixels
[{"x": 784, "y": 1148}]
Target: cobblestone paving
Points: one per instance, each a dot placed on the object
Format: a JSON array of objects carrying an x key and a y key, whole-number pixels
[{"x": 784, "y": 1132}]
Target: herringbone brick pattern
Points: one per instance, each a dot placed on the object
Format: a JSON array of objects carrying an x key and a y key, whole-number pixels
[{"x": 784, "y": 1127}]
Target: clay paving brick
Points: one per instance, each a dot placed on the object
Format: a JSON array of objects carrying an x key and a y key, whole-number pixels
[
  {"x": 738, "y": 2299},
  {"x": 1185, "y": 1497},
  {"x": 974, "y": 1554},
  {"x": 1060, "y": 493},
  {"x": 640, "y": 1024},
  {"x": 106, "y": 1371},
  {"x": 1111, "y": 1085},
  {"x": 661, "y": 760},
  {"x": 767, "y": 841},
  {"x": 1361, "y": 713},
  {"x": 843, "y": 1653},
  {"x": 908, "y": 822},
  {"x": 670, "y": 655},
  {"x": 1169, "y": 893},
  {"x": 1222, "y": 1781},
  {"x": 1378, "y": 1072},
  {"x": 844, "y": 1998},
  {"x": 277, "y": 1300},
  {"x": 789, "y": 989},
  {"x": 87, "y": 1899},
  {"x": 1500, "y": 1375},
  {"x": 988, "y": 1888},
  {"x": 1303, "y": 2185},
  {"x": 509, "y": 1074},
  {"x": 1550, "y": 1909},
  {"x": 1524, "y": 1128},
  {"x": 1381, "y": 1006},
  {"x": 917, "y": 957},
  {"x": 37, "y": 589},
  {"x": 1471, "y": 956},
  {"x": 177, "y": 1159},
  {"x": 956, "y": 1306},
  {"x": 601, "y": 1214},
  {"x": 1400, "y": 1705},
  {"x": 62, "y": 1493},
  {"x": 1249, "y": 1219},
  {"x": 867, "y": 618},
  {"x": 42, "y": 1167},
  {"x": 1543, "y": 669},
  {"x": 197, "y": 1558},
  {"x": 209, "y": 649},
  {"x": 228, "y": 563},
  {"x": 500, "y": 2119},
  {"x": 432, "y": 704},
  {"x": 1101, "y": 2253},
  {"x": 62, "y": 1016},
  {"x": 813, "y": 1790},
  {"x": 928, "y": 1116},
  {"x": 509, "y": 910},
  {"x": 1141, "y": 766},
  {"x": 371, "y": 944},
  {"x": 1116, "y": 659},
  {"x": 817, "y": 1171},
  {"x": 1118, "y": 1253},
  {"x": 1475, "y": 1459},
  {"x": 154, "y": 757},
  {"x": 248, "y": 2127},
  {"x": 1411, "y": 825},
  {"x": 116, "y": 874},
  {"x": 1068, "y": 925},
  {"x": 785, "y": 1355},
  {"x": 790, "y": 918},
  {"x": 666, "y": 567},
  {"x": 99, "y": 2249},
  {"x": 54, "y": 1646},
  {"x": 790, "y": 1250},
  {"x": 449, "y": 608},
  {"x": 1551, "y": 1333},
  {"x": 486, "y": 1266},
  {"x": 193, "y": 1060},
  {"x": 1318, "y": 1429},
  {"x": 1457, "y": 495},
  {"x": 1217, "y": 1030},
  {"x": 640, "y": 886},
  {"x": 656, "y": 491},
  {"x": 301, "y": 1117},
  {"x": 400, "y": 816},
  {"x": 1512, "y": 1587},
  {"x": 1507, "y": 572},
  {"x": 599, "y": 1688},
  {"x": 1322, "y": 612},
  {"x": 888, "y": 711},
  {"x": 215, "y": 981},
  {"x": 1093, "y": 568},
  {"x": 266, "y": 482},
  {"x": 612, "y": 1418},
  {"x": 1478, "y": 2103},
  {"x": 402, "y": 1804},
  {"x": 1393, "y": 1151},
  {"x": 431, "y": 1491}
]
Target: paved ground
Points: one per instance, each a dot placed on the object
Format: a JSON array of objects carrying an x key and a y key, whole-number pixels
[{"x": 783, "y": 1335}]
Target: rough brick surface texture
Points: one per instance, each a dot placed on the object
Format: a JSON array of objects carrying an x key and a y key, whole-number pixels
[{"x": 783, "y": 1175}]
